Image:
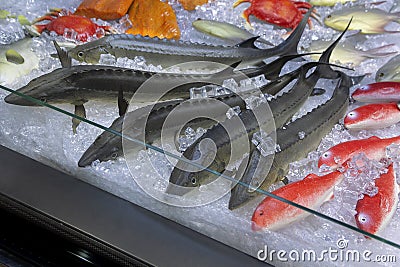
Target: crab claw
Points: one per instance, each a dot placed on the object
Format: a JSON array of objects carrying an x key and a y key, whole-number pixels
[
  {"x": 239, "y": 2},
  {"x": 246, "y": 13}
]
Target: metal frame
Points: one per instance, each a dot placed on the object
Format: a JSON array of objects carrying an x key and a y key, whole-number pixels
[{"x": 98, "y": 221}]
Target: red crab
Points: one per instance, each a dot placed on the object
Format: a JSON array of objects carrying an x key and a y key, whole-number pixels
[
  {"x": 71, "y": 26},
  {"x": 284, "y": 13}
]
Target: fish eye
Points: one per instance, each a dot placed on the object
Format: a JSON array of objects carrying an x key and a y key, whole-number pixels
[
  {"x": 80, "y": 54},
  {"x": 114, "y": 155},
  {"x": 326, "y": 155},
  {"x": 352, "y": 114},
  {"x": 193, "y": 181},
  {"x": 362, "y": 218},
  {"x": 381, "y": 74},
  {"x": 43, "y": 99},
  {"x": 261, "y": 213},
  {"x": 329, "y": 16}
]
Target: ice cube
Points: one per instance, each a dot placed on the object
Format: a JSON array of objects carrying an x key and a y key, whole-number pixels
[
  {"x": 301, "y": 135},
  {"x": 107, "y": 59},
  {"x": 124, "y": 24},
  {"x": 393, "y": 152},
  {"x": 234, "y": 111},
  {"x": 10, "y": 31},
  {"x": 231, "y": 84},
  {"x": 264, "y": 143},
  {"x": 254, "y": 101},
  {"x": 259, "y": 81},
  {"x": 197, "y": 92},
  {"x": 190, "y": 133}
]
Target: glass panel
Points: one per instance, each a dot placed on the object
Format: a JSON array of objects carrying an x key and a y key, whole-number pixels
[{"x": 330, "y": 234}]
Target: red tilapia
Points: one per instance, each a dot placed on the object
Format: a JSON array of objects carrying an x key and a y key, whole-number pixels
[
  {"x": 372, "y": 116},
  {"x": 378, "y": 92},
  {"x": 310, "y": 192},
  {"x": 373, "y": 148},
  {"x": 374, "y": 213}
]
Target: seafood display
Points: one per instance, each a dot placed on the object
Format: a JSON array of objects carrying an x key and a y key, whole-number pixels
[{"x": 257, "y": 137}]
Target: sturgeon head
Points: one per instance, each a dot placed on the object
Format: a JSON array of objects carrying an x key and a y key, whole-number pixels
[
  {"x": 51, "y": 88},
  {"x": 107, "y": 146},
  {"x": 186, "y": 176}
]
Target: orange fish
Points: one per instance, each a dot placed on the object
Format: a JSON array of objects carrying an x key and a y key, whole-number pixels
[
  {"x": 374, "y": 213},
  {"x": 372, "y": 116},
  {"x": 373, "y": 148},
  {"x": 310, "y": 192},
  {"x": 378, "y": 92}
]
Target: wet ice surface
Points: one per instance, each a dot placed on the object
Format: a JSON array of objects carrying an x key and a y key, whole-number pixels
[{"x": 46, "y": 135}]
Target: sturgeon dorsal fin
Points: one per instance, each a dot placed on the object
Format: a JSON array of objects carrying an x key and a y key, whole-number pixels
[
  {"x": 122, "y": 103},
  {"x": 249, "y": 43},
  {"x": 66, "y": 61},
  {"x": 228, "y": 71}
]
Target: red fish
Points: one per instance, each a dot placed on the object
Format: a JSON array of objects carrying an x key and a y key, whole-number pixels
[
  {"x": 374, "y": 213},
  {"x": 310, "y": 192},
  {"x": 373, "y": 148},
  {"x": 372, "y": 116},
  {"x": 378, "y": 92}
]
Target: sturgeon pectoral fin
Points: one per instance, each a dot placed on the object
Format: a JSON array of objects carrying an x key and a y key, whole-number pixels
[
  {"x": 122, "y": 103},
  {"x": 81, "y": 112}
]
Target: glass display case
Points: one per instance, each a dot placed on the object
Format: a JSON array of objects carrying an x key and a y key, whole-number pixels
[{"x": 275, "y": 160}]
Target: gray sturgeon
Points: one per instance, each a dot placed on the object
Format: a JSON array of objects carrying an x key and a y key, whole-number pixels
[
  {"x": 185, "y": 176},
  {"x": 315, "y": 125},
  {"x": 109, "y": 146},
  {"x": 166, "y": 52}
]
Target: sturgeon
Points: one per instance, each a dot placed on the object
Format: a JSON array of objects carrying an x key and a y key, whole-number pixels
[
  {"x": 185, "y": 176},
  {"x": 282, "y": 108},
  {"x": 166, "y": 52},
  {"x": 315, "y": 125},
  {"x": 81, "y": 83},
  {"x": 109, "y": 146}
]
